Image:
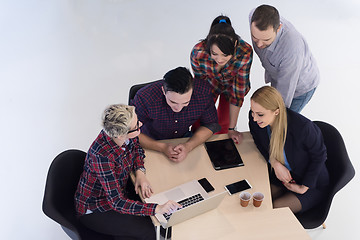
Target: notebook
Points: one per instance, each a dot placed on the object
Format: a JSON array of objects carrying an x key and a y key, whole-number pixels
[
  {"x": 223, "y": 154},
  {"x": 181, "y": 192}
]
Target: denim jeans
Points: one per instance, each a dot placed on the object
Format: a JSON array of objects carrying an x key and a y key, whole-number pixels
[{"x": 299, "y": 102}]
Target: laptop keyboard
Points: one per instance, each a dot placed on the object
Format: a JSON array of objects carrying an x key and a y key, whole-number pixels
[{"x": 187, "y": 202}]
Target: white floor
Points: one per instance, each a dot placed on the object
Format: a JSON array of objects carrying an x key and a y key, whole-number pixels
[{"x": 63, "y": 61}]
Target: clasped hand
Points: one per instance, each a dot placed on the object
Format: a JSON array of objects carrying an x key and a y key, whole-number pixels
[
  {"x": 176, "y": 153},
  {"x": 283, "y": 174}
]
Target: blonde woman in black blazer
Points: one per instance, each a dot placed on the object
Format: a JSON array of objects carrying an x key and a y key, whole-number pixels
[{"x": 298, "y": 175}]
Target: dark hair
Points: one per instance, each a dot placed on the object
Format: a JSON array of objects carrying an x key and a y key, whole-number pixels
[
  {"x": 266, "y": 16},
  {"x": 223, "y": 35},
  {"x": 178, "y": 80}
]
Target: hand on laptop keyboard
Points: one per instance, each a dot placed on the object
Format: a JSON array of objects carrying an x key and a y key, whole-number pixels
[
  {"x": 186, "y": 202},
  {"x": 169, "y": 207}
]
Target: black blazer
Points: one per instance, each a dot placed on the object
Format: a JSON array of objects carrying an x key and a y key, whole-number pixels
[{"x": 304, "y": 149}]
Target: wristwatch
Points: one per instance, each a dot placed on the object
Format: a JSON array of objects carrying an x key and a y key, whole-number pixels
[
  {"x": 234, "y": 128},
  {"x": 142, "y": 169}
]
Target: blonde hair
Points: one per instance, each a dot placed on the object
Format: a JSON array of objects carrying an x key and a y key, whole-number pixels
[
  {"x": 117, "y": 118},
  {"x": 270, "y": 99}
]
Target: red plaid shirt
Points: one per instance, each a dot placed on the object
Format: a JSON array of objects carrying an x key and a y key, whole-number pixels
[
  {"x": 233, "y": 80},
  {"x": 106, "y": 172}
]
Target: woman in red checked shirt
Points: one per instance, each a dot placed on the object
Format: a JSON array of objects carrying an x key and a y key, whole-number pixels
[
  {"x": 224, "y": 60},
  {"x": 102, "y": 199}
]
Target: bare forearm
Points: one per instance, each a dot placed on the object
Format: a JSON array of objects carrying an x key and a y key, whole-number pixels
[
  {"x": 149, "y": 143},
  {"x": 233, "y": 115},
  {"x": 200, "y": 136}
]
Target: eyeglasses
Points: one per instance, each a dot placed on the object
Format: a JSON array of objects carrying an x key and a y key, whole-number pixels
[{"x": 137, "y": 127}]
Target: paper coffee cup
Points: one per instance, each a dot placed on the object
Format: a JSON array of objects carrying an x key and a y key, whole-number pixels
[
  {"x": 244, "y": 198},
  {"x": 258, "y": 197}
]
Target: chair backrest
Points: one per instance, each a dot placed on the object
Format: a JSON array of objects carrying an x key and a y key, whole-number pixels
[
  {"x": 58, "y": 203},
  {"x": 338, "y": 162},
  {"x": 133, "y": 90},
  {"x": 62, "y": 180},
  {"x": 340, "y": 169}
]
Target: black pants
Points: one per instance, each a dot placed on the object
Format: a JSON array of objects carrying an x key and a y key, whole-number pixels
[{"x": 122, "y": 225}]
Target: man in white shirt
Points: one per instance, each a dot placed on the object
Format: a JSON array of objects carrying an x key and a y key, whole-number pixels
[{"x": 285, "y": 55}]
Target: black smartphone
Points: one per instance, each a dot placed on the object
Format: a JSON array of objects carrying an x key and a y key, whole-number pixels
[
  {"x": 237, "y": 186},
  {"x": 206, "y": 185}
]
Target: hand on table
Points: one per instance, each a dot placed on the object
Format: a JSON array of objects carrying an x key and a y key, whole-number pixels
[
  {"x": 182, "y": 151},
  {"x": 236, "y": 136},
  {"x": 169, "y": 151},
  {"x": 142, "y": 183},
  {"x": 176, "y": 153}
]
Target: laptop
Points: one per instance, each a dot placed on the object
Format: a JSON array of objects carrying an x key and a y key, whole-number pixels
[
  {"x": 223, "y": 154},
  {"x": 193, "y": 192}
]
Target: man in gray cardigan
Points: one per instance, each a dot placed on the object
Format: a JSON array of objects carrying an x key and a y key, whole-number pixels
[{"x": 284, "y": 53}]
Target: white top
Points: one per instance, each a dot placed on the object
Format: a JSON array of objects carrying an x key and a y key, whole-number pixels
[{"x": 289, "y": 65}]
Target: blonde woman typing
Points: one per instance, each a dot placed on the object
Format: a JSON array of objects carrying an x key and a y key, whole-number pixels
[{"x": 294, "y": 148}]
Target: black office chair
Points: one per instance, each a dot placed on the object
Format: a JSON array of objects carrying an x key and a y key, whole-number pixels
[
  {"x": 340, "y": 169},
  {"x": 58, "y": 203},
  {"x": 133, "y": 90}
]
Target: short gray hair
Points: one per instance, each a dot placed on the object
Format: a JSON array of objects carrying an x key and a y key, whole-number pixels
[{"x": 117, "y": 118}]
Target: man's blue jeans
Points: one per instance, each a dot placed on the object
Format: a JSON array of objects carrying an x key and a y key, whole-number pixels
[{"x": 299, "y": 102}]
